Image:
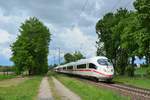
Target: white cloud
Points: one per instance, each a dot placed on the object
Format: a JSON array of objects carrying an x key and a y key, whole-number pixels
[
  {"x": 74, "y": 39},
  {"x": 8, "y": 31},
  {"x": 70, "y": 40},
  {"x": 5, "y": 41},
  {"x": 6, "y": 52},
  {"x": 99, "y": 4},
  {"x": 4, "y": 36}
]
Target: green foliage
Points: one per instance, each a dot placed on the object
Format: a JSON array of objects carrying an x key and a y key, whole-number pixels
[
  {"x": 130, "y": 70},
  {"x": 109, "y": 31},
  {"x": 148, "y": 72},
  {"x": 143, "y": 66},
  {"x": 77, "y": 56},
  {"x": 30, "y": 50},
  {"x": 73, "y": 57},
  {"x": 68, "y": 57},
  {"x": 143, "y": 36},
  {"x": 143, "y": 8}
]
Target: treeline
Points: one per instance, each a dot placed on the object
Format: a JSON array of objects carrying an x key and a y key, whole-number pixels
[
  {"x": 124, "y": 34},
  {"x": 70, "y": 57},
  {"x": 6, "y": 68}
]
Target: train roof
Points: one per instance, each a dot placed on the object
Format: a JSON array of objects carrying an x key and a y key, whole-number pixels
[{"x": 83, "y": 61}]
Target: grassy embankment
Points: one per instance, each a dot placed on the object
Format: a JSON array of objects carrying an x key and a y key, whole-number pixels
[
  {"x": 26, "y": 90},
  {"x": 87, "y": 91},
  {"x": 139, "y": 80}
]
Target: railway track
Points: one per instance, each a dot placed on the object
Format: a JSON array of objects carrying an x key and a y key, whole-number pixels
[{"x": 134, "y": 92}]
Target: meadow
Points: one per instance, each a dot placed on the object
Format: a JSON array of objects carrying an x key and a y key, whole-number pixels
[
  {"x": 20, "y": 88},
  {"x": 139, "y": 80}
]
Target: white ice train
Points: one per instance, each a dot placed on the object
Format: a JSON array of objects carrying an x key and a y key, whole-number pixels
[{"x": 98, "y": 67}]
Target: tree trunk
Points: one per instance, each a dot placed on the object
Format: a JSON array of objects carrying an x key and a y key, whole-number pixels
[
  {"x": 132, "y": 61},
  {"x": 147, "y": 59}
]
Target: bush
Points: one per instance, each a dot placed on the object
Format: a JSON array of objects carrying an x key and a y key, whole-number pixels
[
  {"x": 130, "y": 70},
  {"x": 144, "y": 65},
  {"x": 148, "y": 71}
]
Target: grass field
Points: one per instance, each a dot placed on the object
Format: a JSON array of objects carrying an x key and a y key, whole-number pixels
[
  {"x": 2, "y": 77},
  {"x": 87, "y": 91},
  {"x": 26, "y": 90},
  {"x": 141, "y": 71},
  {"x": 139, "y": 80}
]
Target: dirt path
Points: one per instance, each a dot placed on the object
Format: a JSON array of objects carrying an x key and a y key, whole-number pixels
[
  {"x": 44, "y": 91},
  {"x": 64, "y": 92}
]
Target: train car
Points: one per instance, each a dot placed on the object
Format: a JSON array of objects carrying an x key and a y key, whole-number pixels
[{"x": 98, "y": 67}]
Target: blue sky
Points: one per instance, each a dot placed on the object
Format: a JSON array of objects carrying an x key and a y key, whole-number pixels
[{"x": 71, "y": 29}]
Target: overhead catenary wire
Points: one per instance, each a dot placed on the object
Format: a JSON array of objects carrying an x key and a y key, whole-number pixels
[
  {"x": 114, "y": 7},
  {"x": 128, "y": 3},
  {"x": 83, "y": 8},
  {"x": 79, "y": 15}
]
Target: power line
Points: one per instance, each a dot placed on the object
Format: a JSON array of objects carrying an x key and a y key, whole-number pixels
[
  {"x": 54, "y": 59},
  {"x": 59, "y": 55},
  {"x": 128, "y": 3},
  {"x": 82, "y": 10},
  {"x": 115, "y": 5}
]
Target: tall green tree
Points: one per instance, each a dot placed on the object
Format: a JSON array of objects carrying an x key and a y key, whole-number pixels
[
  {"x": 128, "y": 36},
  {"x": 143, "y": 11},
  {"x": 103, "y": 30},
  {"x": 30, "y": 50},
  {"x": 110, "y": 29}
]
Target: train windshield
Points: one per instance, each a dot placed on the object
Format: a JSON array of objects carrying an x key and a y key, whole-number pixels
[{"x": 104, "y": 62}]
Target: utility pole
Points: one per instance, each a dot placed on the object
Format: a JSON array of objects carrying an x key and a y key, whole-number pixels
[
  {"x": 54, "y": 59},
  {"x": 59, "y": 55},
  {"x": 57, "y": 48}
]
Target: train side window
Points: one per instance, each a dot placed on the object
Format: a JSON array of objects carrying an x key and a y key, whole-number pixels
[
  {"x": 92, "y": 66},
  {"x": 81, "y": 66},
  {"x": 64, "y": 68},
  {"x": 70, "y": 67}
]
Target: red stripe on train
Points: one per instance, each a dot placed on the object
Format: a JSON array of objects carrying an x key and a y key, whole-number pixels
[{"x": 86, "y": 70}]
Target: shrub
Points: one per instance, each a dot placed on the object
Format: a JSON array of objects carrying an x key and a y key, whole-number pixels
[
  {"x": 130, "y": 70},
  {"x": 148, "y": 71},
  {"x": 145, "y": 65}
]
